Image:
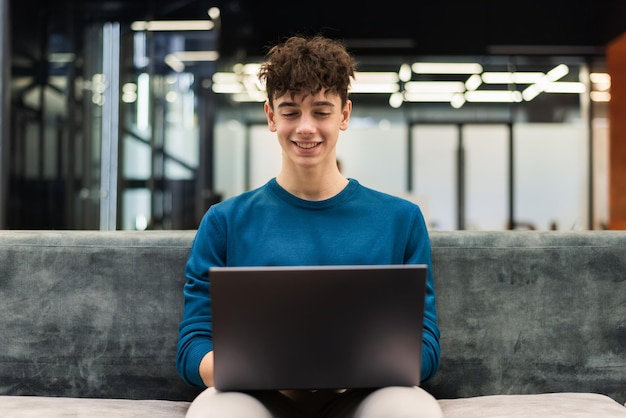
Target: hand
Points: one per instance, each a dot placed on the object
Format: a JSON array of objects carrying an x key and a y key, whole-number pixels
[{"x": 206, "y": 369}]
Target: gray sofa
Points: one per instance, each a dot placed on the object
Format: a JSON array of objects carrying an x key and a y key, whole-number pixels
[{"x": 533, "y": 323}]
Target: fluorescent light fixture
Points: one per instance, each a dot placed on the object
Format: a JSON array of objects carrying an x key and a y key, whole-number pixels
[
  {"x": 197, "y": 56},
  {"x": 249, "y": 69},
  {"x": 172, "y": 25},
  {"x": 129, "y": 93},
  {"x": 493, "y": 96},
  {"x": 214, "y": 13},
  {"x": 473, "y": 82},
  {"x": 174, "y": 63},
  {"x": 245, "y": 97},
  {"x": 61, "y": 57},
  {"x": 227, "y": 88},
  {"x": 511, "y": 78},
  {"x": 554, "y": 74},
  {"x": 601, "y": 81},
  {"x": 223, "y": 77},
  {"x": 375, "y": 82},
  {"x": 404, "y": 74},
  {"x": 143, "y": 102},
  {"x": 600, "y": 78},
  {"x": 435, "y": 87},
  {"x": 427, "y": 97},
  {"x": 457, "y": 101},
  {"x": 446, "y": 68},
  {"x": 396, "y": 100},
  {"x": 374, "y": 87},
  {"x": 531, "y": 92},
  {"x": 600, "y": 96},
  {"x": 375, "y": 77},
  {"x": 557, "y": 72},
  {"x": 565, "y": 87}
]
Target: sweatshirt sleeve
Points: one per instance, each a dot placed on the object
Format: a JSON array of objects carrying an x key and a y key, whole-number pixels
[
  {"x": 195, "y": 329},
  {"x": 419, "y": 252}
]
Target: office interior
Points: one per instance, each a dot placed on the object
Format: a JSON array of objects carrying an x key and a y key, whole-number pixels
[{"x": 135, "y": 115}]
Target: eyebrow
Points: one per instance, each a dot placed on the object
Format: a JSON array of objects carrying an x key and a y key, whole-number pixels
[{"x": 315, "y": 104}]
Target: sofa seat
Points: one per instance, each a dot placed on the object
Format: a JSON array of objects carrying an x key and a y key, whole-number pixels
[
  {"x": 545, "y": 405},
  {"x": 63, "y": 407},
  {"x": 549, "y": 405}
]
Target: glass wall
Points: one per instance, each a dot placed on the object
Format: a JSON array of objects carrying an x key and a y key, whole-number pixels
[
  {"x": 129, "y": 138},
  {"x": 518, "y": 164}
]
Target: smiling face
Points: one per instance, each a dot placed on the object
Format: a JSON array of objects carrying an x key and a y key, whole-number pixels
[{"x": 307, "y": 127}]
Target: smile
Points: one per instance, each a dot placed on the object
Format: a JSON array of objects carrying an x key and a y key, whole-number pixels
[{"x": 307, "y": 145}]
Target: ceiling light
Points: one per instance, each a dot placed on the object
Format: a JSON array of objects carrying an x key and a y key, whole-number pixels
[
  {"x": 531, "y": 92},
  {"x": 227, "y": 88},
  {"x": 600, "y": 96},
  {"x": 249, "y": 69},
  {"x": 554, "y": 74},
  {"x": 172, "y": 25},
  {"x": 404, "y": 74},
  {"x": 557, "y": 72},
  {"x": 428, "y": 97},
  {"x": 457, "y": 101},
  {"x": 197, "y": 56},
  {"x": 511, "y": 78},
  {"x": 174, "y": 63},
  {"x": 374, "y": 88},
  {"x": 493, "y": 96},
  {"x": 601, "y": 81},
  {"x": 396, "y": 100},
  {"x": 446, "y": 68},
  {"x": 375, "y": 82},
  {"x": 245, "y": 97},
  {"x": 376, "y": 77},
  {"x": 600, "y": 78},
  {"x": 435, "y": 87},
  {"x": 565, "y": 87},
  {"x": 473, "y": 82},
  {"x": 61, "y": 57},
  {"x": 214, "y": 13}
]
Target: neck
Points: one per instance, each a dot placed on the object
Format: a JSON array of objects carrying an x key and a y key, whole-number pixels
[{"x": 311, "y": 187}]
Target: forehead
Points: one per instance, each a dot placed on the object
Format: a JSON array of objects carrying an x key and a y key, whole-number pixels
[{"x": 321, "y": 98}]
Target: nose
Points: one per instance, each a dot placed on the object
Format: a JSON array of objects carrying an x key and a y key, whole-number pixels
[{"x": 306, "y": 125}]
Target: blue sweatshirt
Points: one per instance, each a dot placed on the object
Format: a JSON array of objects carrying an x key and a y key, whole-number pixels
[{"x": 269, "y": 226}]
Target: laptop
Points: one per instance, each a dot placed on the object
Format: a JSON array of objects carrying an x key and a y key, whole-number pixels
[{"x": 317, "y": 327}]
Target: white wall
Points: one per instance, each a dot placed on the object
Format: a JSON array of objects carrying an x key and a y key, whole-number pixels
[{"x": 550, "y": 168}]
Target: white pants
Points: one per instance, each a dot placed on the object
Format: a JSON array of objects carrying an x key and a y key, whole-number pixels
[{"x": 390, "y": 402}]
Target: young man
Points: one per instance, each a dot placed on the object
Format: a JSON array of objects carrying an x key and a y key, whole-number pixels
[{"x": 309, "y": 214}]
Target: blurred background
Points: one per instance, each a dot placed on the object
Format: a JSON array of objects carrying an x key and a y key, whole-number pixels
[{"x": 127, "y": 114}]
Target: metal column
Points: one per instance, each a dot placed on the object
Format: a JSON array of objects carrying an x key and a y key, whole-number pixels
[
  {"x": 110, "y": 126},
  {"x": 5, "y": 96}
]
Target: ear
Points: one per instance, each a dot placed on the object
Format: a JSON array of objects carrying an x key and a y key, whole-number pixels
[
  {"x": 269, "y": 113},
  {"x": 345, "y": 115}
]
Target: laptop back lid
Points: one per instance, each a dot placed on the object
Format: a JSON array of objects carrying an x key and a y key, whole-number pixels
[{"x": 317, "y": 327}]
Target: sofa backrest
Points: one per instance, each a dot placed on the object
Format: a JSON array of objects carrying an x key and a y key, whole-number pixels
[
  {"x": 530, "y": 312},
  {"x": 92, "y": 314},
  {"x": 95, "y": 314}
]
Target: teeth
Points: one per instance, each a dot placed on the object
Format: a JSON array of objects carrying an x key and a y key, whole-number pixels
[{"x": 307, "y": 145}]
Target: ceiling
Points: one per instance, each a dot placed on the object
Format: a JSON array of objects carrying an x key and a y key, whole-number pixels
[{"x": 392, "y": 27}]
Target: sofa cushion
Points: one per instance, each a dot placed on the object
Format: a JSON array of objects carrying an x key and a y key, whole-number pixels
[
  {"x": 57, "y": 407},
  {"x": 547, "y": 405},
  {"x": 550, "y": 405}
]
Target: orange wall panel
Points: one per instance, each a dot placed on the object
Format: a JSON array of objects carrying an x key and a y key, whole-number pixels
[{"x": 616, "y": 66}]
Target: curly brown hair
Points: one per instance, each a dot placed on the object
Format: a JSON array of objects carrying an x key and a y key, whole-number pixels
[{"x": 307, "y": 65}]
